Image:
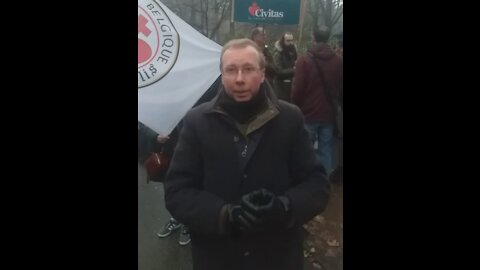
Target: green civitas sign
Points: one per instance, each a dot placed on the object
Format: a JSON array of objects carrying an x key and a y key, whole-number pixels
[{"x": 267, "y": 11}]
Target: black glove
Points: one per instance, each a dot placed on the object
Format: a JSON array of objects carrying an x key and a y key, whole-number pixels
[
  {"x": 263, "y": 209},
  {"x": 241, "y": 222}
]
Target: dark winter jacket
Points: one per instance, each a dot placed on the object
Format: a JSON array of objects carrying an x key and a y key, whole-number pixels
[
  {"x": 208, "y": 171},
  {"x": 284, "y": 62},
  {"x": 147, "y": 139},
  {"x": 308, "y": 91},
  {"x": 270, "y": 70}
]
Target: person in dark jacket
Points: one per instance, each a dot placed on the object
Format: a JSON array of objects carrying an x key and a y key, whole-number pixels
[
  {"x": 259, "y": 36},
  {"x": 311, "y": 95},
  {"x": 284, "y": 58},
  {"x": 244, "y": 176},
  {"x": 172, "y": 223},
  {"x": 150, "y": 141}
]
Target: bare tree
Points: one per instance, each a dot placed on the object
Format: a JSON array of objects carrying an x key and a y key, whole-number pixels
[
  {"x": 326, "y": 12},
  {"x": 221, "y": 8},
  {"x": 207, "y": 16},
  {"x": 211, "y": 17}
]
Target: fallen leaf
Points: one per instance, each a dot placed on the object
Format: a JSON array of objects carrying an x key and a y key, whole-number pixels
[{"x": 333, "y": 243}]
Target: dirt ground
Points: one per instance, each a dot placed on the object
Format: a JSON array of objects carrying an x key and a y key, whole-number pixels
[{"x": 323, "y": 248}]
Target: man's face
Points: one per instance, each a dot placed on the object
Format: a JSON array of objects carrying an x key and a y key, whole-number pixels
[
  {"x": 288, "y": 40},
  {"x": 241, "y": 73}
]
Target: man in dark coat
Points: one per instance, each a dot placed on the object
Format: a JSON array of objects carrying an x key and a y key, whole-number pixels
[
  {"x": 244, "y": 176},
  {"x": 284, "y": 58}
]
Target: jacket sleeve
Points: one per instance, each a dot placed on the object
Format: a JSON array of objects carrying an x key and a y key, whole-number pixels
[
  {"x": 184, "y": 197},
  {"x": 311, "y": 190},
  {"x": 299, "y": 82},
  {"x": 149, "y": 136},
  {"x": 270, "y": 69}
]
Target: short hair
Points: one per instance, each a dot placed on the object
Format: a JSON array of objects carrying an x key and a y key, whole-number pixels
[
  {"x": 240, "y": 44},
  {"x": 321, "y": 33},
  {"x": 256, "y": 31}
]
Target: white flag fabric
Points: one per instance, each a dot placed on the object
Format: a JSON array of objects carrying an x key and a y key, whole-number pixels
[{"x": 176, "y": 65}]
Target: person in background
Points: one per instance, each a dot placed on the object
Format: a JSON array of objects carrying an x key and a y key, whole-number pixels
[
  {"x": 150, "y": 141},
  {"x": 172, "y": 224},
  {"x": 314, "y": 91},
  {"x": 284, "y": 58},
  {"x": 259, "y": 36}
]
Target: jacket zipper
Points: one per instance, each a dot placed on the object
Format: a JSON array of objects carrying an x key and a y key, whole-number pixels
[{"x": 244, "y": 152}]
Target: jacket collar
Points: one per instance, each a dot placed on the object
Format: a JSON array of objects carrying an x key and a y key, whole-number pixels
[
  {"x": 212, "y": 106},
  {"x": 260, "y": 120}
]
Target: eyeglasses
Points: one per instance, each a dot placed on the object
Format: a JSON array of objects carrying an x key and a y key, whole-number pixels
[{"x": 233, "y": 71}]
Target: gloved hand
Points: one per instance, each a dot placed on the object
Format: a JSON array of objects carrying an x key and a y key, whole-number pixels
[
  {"x": 262, "y": 209},
  {"x": 241, "y": 221}
]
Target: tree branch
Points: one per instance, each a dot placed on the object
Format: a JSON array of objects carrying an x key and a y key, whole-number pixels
[
  {"x": 219, "y": 23},
  {"x": 338, "y": 14}
]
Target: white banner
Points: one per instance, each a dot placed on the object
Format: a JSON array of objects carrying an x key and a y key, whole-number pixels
[{"x": 176, "y": 65}]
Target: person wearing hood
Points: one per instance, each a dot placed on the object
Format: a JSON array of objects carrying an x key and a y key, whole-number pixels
[
  {"x": 313, "y": 90},
  {"x": 284, "y": 58},
  {"x": 244, "y": 176}
]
